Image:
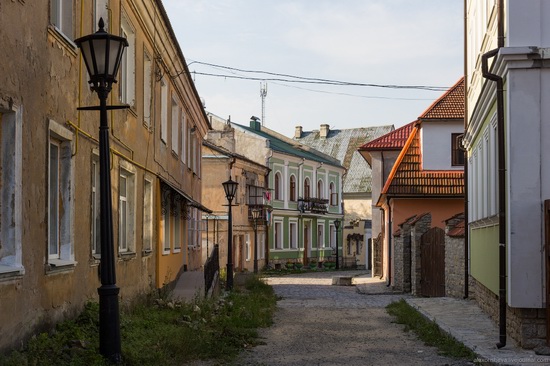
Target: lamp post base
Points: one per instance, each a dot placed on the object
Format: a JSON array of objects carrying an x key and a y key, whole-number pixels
[{"x": 109, "y": 323}]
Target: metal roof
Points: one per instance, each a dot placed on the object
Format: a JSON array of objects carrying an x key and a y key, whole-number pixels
[{"x": 343, "y": 144}]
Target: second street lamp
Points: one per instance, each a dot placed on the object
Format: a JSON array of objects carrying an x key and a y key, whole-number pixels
[
  {"x": 102, "y": 53},
  {"x": 230, "y": 188},
  {"x": 255, "y": 216},
  {"x": 337, "y": 226}
]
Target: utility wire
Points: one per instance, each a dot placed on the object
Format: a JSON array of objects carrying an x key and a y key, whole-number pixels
[{"x": 306, "y": 80}]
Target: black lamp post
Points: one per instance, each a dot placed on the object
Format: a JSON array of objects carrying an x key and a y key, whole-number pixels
[
  {"x": 255, "y": 216},
  {"x": 230, "y": 188},
  {"x": 337, "y": 226},
  {"x": 102, "y": 53}
]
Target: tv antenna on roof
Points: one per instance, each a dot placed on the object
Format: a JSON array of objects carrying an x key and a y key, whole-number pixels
[{"x": 263, "y": 94}]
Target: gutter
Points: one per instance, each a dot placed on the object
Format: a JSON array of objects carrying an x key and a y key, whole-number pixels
[
  {"x": 501, "y": 174},
  {"x": 466, "y": 196}
]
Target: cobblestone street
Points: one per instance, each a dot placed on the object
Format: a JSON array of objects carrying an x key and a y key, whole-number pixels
[{"x": 321, "y": 324}]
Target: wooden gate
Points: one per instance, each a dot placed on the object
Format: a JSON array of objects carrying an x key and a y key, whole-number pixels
[
  {"x": 377, "y": 252},
  {"x": 432, "y": 270}
]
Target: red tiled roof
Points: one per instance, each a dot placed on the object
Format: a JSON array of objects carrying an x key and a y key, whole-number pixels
[
  {"x": 458, "y": 230},
  {"x": 449, "y": 106},
  {"x": 394, "y": 140},
  {"x": 408, "y": 179}
]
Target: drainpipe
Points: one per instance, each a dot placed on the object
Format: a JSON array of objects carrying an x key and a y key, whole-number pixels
[
  {"x": 466, "y": 194},
  {"x": 501, "y": 175},
  {"x": 389, "y": 243}
]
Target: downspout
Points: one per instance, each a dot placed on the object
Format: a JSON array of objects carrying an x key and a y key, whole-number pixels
[
  {"x": 501, "y": 175},
  {"x": 466, "y": 194},
  {"x": 389, "y": 243}
]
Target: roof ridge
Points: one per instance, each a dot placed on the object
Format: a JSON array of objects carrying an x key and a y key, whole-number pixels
[
  {"x": 443, "y": 98},
  {"x": 388, "y": 136}
]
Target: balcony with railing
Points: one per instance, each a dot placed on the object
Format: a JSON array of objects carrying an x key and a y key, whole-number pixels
[
  {"x": 258, "y": 198},
  {"x": 313, "y": 205}
]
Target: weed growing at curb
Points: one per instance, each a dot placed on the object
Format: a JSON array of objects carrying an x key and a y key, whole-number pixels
[{"x": 428, "y": 331}]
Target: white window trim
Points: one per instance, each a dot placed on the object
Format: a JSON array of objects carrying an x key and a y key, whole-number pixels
[
  {"x": 147, "y": 89},
  {"x": 129, "y": 172},
  {"x": 280, "y": 244},
  {"x": 65, "y": 256},
  {"x": 248, "y": 247},
  {"x": 321, "y": 241},
  {"x": 128, "y": 64},
  {"x": 148, "y": 201},
  {"x": 293, "y": 228},
  {"x": 95, "y": 203},
  {"x": 11, "y": 188},
  {"x": 165, "y": 226},
  {"x": 176, "y": 110},
  {"x": 163, "y": 110},
  {"x": 177, "y": 224},
  {"x": 58, "y": 17}
]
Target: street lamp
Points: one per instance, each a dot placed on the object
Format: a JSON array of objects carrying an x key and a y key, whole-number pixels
[
  {"x": 255, "y": 215},
  {"x": 230, "y": 188},
  {"x": 102, "y": 53},
  {"x": 337, "y": 226}
]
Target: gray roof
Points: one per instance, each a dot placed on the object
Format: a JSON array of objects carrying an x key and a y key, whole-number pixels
[
  {"x": 287, "y": 146},
  {"x": 342, "y": 145}
]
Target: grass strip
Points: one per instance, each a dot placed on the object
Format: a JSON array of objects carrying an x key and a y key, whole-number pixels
[{"x": 428, "y": 331}]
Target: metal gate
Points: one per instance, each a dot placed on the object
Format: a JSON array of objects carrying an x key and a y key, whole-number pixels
[
  {"x": 432, "y": 270},
  {"x": 378, "y": 255}
]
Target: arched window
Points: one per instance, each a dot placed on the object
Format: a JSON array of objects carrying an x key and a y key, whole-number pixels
[
  {"x": 307, "y": 188},
  {"x": 278, "y": 190},
  {"x": 320, "y": 189},
  {"x": 293, "y": 188},
  {"x": 333, "y": 195}
]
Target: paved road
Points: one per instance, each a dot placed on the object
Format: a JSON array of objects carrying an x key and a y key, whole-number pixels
[{"x": 320, "y": 324}]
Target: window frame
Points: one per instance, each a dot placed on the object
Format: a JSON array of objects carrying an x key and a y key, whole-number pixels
[
  {"x": 129, "y": 173},
  {"x": 62, "y": 137},
  {"x": 127, "y": 73},
  {"x": 457, "y": 154},
  {"x": 148, "y": 216}
]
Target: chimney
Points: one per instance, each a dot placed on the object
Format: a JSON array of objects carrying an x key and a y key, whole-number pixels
[
  {"x": 255, "y": 123},
  {"x": 298, "y": 132},
  {"x": 323, "y": 132}
]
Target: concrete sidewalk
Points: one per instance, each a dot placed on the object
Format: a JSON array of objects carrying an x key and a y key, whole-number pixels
[
  {"x": 465, "y": 321},
  {"x": 189, "y": 286}
]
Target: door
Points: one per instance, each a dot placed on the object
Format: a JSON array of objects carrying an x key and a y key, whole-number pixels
[{"x": 432, "y": 270}]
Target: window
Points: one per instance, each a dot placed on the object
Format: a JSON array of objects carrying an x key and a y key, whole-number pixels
[
  {"x": 11, "y": 221},
  {"x": 293, "y": 188},
  {"x": 147, "y": 89},
  {"x": 127, "y": 78},
  {"x": 278, "y": 235},
  {"x": 176, "y": 235},
  {"x": 183, "y": 138},
  {"x": 61, "y": 16},
  {"x": 247, "y": 247},
  {"x": 126, "y": 211},
  {"x": 307, "y": 189},
  {"x": 147, "y": 215},
  {"x": 165, "y": 221},
  {"x": 293, "y": 235},
  {"x": 333, "y": 195},
  {"x": 188, "y": 142},
  {"x": 175, "y": 126},
  {"x": 278, "y": 189},
  {"x": 332, "y": 234},
  {"x": 194, "y": 228},
  {"x": 320, "y": 235},
  {"x": 96, "y": 238},
  {"x": 320, "y": 189},
  {"x": 60, "y": 200},
  {"x": 163, "y": 110},
  {"x": 457, "y": 155},
  {"x": 261, "y": 243}
]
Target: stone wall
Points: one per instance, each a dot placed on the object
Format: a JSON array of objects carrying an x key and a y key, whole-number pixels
[
  {"x": 454, "y": 258},
  {"x": 527, "y": 327},
  {"x": 402, "y": 257}
]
